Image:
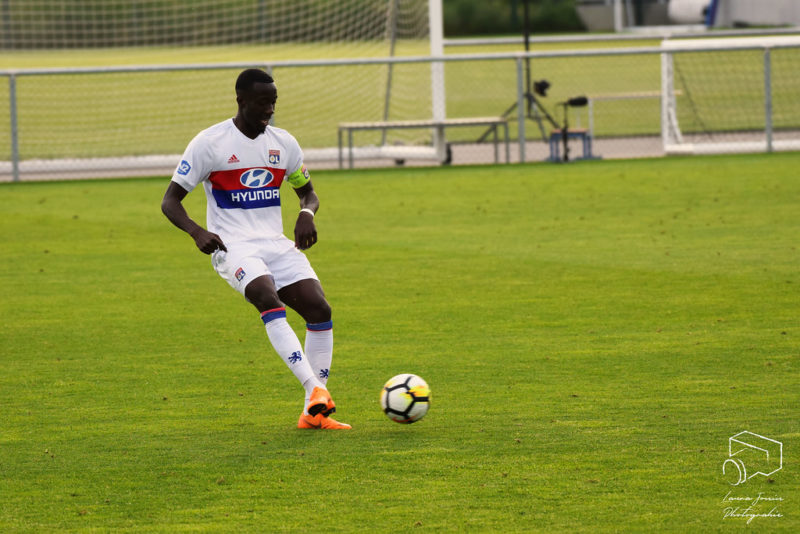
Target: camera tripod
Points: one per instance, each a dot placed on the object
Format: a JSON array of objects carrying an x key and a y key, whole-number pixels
[{"x": 534, "y": 109}]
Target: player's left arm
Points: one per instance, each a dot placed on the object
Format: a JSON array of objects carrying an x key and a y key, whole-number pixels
[{"x": 305, "y": 231}]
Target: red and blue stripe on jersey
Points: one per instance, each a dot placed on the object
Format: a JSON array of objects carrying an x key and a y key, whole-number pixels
[{"x": 247, "y": 188}]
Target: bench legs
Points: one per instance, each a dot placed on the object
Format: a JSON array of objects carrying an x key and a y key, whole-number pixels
[
  {"x": 341, "y": 163},
  {"x": 440, "y": 133}
]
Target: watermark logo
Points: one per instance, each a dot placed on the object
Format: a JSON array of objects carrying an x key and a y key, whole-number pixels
[
  {"x": 749, "y": 455},
  {"x": 751, "y": 507}
]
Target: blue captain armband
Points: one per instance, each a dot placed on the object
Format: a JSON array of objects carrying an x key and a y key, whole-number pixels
[{"x": 299, "y": 178}]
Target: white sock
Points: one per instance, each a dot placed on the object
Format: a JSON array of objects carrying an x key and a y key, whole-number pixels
[
  {"x": 319, "y": 348},
  {"x": 286, "y": 344},
  {"x": 319, "y": 351}
]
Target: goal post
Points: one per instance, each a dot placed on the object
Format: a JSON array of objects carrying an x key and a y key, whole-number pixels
[
  {"x": 438, "y": 99},
  {"x": 728, "y": 95}
]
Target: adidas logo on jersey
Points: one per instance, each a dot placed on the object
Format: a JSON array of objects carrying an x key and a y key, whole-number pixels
[{"x": 233, "y": 159}]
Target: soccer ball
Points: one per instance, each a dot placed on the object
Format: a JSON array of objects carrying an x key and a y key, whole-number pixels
[{"x": 405, "y": 398}]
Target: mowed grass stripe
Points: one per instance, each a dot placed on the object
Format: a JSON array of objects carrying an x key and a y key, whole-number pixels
[{"x": 593, "y": 333}]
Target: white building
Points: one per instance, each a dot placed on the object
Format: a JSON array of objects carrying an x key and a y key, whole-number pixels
[{"x": 608, "y": 15}]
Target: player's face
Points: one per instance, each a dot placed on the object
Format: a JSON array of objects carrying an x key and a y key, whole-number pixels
[{"x": 257, "y": 105}]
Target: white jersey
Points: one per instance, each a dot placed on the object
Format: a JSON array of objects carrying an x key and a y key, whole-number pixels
[{"x": 242, "y": 178}]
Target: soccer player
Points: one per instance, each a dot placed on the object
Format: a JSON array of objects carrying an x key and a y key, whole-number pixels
[{"x": 242, "y": 163}]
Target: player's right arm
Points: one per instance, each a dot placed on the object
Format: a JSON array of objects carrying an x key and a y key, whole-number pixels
[
  {"x": 193, "y": 169},
  {"x": 172, "y": 207}
]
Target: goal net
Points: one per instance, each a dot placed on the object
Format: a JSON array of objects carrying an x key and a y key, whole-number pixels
[
  {"x": 56, "y": 24},
  {"x": 730, "y": 94},
  {"x": 104, "y": 119}
]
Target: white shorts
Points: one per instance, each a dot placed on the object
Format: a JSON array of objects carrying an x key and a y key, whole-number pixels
[{"x": 247, "y": 260}]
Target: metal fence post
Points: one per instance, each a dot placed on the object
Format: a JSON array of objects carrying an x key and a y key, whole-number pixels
[
  {"x": 521, "y": 107},
  {"x": 768, "y": 98},
  {"x": 12, "y": 99}
]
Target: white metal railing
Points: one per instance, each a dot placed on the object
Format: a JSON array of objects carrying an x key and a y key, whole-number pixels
[
  {"x": 661, "y": 32},
  {"x": 519, "y": 58}
]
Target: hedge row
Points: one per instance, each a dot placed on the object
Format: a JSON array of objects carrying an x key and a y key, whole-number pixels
[{"x": 497, "y": 17}]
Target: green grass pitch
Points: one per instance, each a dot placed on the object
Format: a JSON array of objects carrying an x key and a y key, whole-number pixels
[{"x": 593, "y": 334}]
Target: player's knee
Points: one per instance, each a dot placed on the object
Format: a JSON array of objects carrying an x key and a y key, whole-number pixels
[
  {"x": 263, "y": 298},
  {"x": 264, "y": 304},
  {"x": 319, "y": 313}
]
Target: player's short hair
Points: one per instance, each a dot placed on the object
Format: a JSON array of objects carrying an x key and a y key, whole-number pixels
[{"x": 249, "y": 77}]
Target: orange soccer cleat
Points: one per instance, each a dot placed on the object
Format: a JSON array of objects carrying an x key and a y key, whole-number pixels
[
  {"x": 308, "y": 421},
  {"x": 320, "y": 402},
  {"x": 326, "y": 423},
  {"x": 320, "y": 421}
]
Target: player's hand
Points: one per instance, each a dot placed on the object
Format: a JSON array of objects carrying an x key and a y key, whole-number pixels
[
  {"x": 207, "y": 241},
  {"x": 305, "y": 232}
]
